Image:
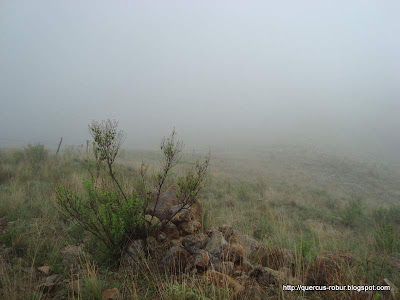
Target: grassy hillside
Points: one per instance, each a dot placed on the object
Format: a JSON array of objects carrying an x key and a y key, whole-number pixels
[{"x": 307, "y": 202}]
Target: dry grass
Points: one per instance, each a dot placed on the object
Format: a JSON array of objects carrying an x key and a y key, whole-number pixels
[{"x": 297, "y": 201}]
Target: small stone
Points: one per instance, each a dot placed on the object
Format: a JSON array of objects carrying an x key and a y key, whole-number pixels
[
  {"x": 50, "y": 281},
  {"x": 44, "y": 269}
]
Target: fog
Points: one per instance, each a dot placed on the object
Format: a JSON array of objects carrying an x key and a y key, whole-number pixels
[{"x": 225, "y": 73}]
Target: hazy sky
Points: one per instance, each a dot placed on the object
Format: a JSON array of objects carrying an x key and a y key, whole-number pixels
[{"x": 221, "y": 72}]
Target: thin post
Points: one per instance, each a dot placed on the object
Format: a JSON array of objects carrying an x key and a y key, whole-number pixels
[{"x": 59, "y": 145}]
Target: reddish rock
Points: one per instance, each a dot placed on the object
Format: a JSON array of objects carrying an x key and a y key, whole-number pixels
[
  {"x": 170, "y": 230},
  {"x": 278, "y": 258},
  {"x": 232, "y": 252},
  {"x": 111, "y": 294},
  {"x": 223, "y": 281}
]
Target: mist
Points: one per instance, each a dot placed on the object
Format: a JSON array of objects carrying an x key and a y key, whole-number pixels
[{"x": 224, "y": 74}]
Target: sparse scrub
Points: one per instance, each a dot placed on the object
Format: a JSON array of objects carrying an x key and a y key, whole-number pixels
[
  {"x": 105, "y": 209},
  {"x": 243, "y": 192},
  {"x": 35, "y": 154},
  {"x": 304, "y": 217},
  {"x": 353, "y": 212}
]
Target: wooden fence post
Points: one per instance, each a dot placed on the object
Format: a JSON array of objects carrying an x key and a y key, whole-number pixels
[{"x": 59, "y": 145}]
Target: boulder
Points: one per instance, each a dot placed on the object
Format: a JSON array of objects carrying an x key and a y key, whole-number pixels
[
  {"x": 151, "y": 221},
  {"x": 200, "y": 260},
  {"x": 194, "y": 243},
  {"x": 186, "y": 228},
  {"x": 166, "y": 200},
  {"x": 324, "y": 271},
  {"x": 226, "y": 267},
  {"x": 176, "y": 259},
  {"x": 278, "y": 258},
  {"x": 232, "y": 252},
  {"x": 249, "y": 244},
  {"x": 134, "y": 252},
  {"x": 224, "y": 281},
  {"x": 216, "y": 243},
  {"x": 226, "y": 230},
  {"x": 70, "y": 254},
  {"x": 266, "y": 276},
  {"x": 170, "y": 230}
]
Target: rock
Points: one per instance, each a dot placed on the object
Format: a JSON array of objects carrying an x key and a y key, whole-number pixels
[
  {"x": 186, "y": 228},
  {"x": 324, "y": 271},
  {"x": 181, "y": 214},
  {"x": 232, "y": 252},
  {"x": 223, "y": 281},
  {"x": 342, "y": 258},
  {"x": 175, "y": 242},
  {"x": 44, "y": 269},
  {"x": 226, "y": 230},
  {"x": 50, "y": 281},
  {"x": 111, "y": 294},
  {"x": 161, "y": 208},
  {"x": 216, "y": 243},
  {"x": 246, "y": 265},
  {"x": 193, "y": 243},
  {"x": 278, "y": 258},
  {"x": 134, "y": 252},
  {"x": 226, "y": 267},
  {"x": 151, "y": 221},
  {"x": 249, "y": 244},
  {"x": 162, "y": 237},
  {"x": 176, "y": 258},
  {"x": 71, "y": 254},
  {"x": 153, "y": 247},
  {"x": 200, "y": 260},
  {"x": 266, "y": 276},
  {"x": 170, "y": 230}
]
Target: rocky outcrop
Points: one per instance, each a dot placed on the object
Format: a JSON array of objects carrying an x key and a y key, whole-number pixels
[{"x": 221, "y": 256}]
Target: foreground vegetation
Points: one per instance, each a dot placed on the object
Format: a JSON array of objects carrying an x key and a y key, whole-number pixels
[{"x": 308, "y": 203}]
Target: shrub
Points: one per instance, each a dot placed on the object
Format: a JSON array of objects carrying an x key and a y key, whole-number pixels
[
  {"x": 35, "y": 154},
  {"x": 106, "y": 209},
  {"x": 387, "y": 238},
  {"x": 353, "y": 212}
]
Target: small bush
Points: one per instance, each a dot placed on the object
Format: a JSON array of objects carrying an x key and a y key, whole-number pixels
[
  {"x": 387, "y": 238},
  {"x": 35, "y": 154},
  {"x": 353, "y": 212},
  {"x": 106, "y": 209},
  {"x": 264, "y": 228},
  {"x": 387, "y": 215}
]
